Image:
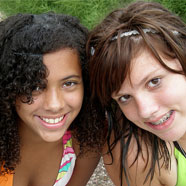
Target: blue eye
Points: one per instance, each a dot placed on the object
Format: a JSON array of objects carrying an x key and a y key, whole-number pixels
[
  {"x": 154, "y": 82},
  {"x": 124, "y": 98}
]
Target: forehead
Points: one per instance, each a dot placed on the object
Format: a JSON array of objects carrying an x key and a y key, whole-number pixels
[
  {"x": 145, "y": 64},
  {"x": 142, "y": 64},
  {"x": 63, "y": 62}
]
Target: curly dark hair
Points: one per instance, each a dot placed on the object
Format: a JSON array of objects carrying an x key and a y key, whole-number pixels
[
  {"x": 24, "y": 39},
  {"x": 110, "y": 63}
]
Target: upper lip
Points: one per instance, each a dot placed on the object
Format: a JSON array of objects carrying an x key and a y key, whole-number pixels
[
  {"x": 157, "y": 119},
  {"x": 53, "y": 117}
]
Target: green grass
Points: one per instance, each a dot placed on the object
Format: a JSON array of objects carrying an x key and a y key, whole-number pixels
[
  {"x": 176, "y": 6},
  {"x": 90, "y": 12}
]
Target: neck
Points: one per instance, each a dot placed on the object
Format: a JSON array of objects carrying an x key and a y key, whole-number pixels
[{"x": 182, "y": 142}]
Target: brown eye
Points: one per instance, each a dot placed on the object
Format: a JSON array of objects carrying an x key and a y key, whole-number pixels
[
  {"x": 69, "y": 84},
  {"x": 124, "y": 98},
  {"x": 37, "y": 90},
  {"x": 154, "y": 82}
]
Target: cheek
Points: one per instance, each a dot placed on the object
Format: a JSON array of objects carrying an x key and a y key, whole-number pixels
[
  {"x": 130, "y": 112},
  {"x": 174, "y": 92},
  {"x": 24, "y": 109},
  {"x": 75, "y": 99},
  {"x": 20, "y": 107}
]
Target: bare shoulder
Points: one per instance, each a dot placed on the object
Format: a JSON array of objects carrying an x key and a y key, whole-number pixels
[
  {"x": 84, "y": 166},
  {"x": 139, "y": 169}
]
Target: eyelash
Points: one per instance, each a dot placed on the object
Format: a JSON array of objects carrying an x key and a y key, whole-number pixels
[
  {"x": 72, "y": 83},
  {"x": 37, "y": 90},
  {"x": 157, "y": 83},
  {"x": 68, "y": 84},
  {"x": 126, "y": 97}
]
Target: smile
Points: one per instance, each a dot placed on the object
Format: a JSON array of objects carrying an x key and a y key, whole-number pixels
[
  {"x": 52, "y": 120},
  {"x": 163, "y": 119}
]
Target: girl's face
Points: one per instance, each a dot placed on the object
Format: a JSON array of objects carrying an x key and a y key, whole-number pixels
[
  {"x": 154, "y": 99},
  {"x": 55, "y": 107}
]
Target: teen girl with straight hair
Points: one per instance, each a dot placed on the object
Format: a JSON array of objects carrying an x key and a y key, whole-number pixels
[{"x": 138, "y": 72}]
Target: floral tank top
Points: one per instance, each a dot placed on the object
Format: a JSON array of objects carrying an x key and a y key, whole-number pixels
[{"x": 66, "y": 167}]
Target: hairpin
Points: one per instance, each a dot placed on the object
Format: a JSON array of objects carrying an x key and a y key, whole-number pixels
[
  {"x": 134, "y": 32},
  {"x": 92, "y": 50}
]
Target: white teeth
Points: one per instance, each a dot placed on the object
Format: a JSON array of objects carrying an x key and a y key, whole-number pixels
[
  {"x": 163, "y": 119},
  {"x": 56, "y": 120},
  {"x": 53, "y": 121}
]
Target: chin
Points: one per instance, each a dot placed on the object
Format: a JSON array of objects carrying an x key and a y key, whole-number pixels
[{"x": 53, "y": 138}]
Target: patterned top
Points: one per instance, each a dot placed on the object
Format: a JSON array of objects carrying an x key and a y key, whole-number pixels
[
  {"x": 66, "y": 167},
  {"x": 67, "y": 162}
]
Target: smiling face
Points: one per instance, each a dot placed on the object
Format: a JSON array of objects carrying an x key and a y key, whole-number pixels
[
  {"x": 55, "y": 107},
  {"x": 154, "y": 98}
]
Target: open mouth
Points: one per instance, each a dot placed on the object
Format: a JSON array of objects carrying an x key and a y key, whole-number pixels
[{"x": 163, "y": 119}]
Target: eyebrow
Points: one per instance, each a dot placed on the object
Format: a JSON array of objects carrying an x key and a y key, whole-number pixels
[
  {"x": 147, "y": 76},
  {"x": 118, "y": 94},
  {"x": 71, "y": 76}
]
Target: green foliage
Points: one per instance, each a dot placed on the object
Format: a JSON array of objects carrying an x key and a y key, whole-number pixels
[
  {"x": 176, "y": 6},
  {"x": 89, "y": 12}
]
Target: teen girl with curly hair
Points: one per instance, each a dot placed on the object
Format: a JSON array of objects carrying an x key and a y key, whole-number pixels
[{"x": 49, "y": 129}]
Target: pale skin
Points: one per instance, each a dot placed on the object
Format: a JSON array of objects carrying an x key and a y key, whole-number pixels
[
  {"x": 41, "y": 146},
  {"x": 139, "y": 170},
  {"x": 145, "y": 100}
]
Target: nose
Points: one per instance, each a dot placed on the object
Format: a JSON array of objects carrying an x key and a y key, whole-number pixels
[
  {"x": 147, "y": 106},
  {"x": 54, "y": 101}
]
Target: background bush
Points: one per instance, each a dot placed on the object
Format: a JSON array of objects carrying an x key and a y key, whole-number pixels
[{"x": 90, "y": 12}]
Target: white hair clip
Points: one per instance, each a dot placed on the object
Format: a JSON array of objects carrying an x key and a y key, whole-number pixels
[
  {"x": 92, "y": 50},
  {"x": 134, "y": 32},
  {"x": 175, "y": 32}
]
